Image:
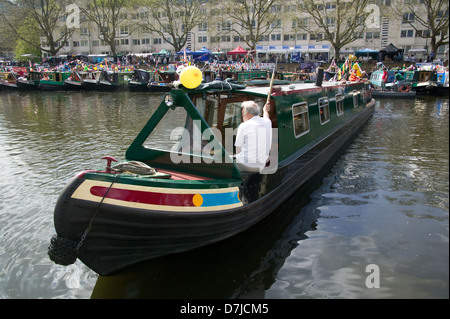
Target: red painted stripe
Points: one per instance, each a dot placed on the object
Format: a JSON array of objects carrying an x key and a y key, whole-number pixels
[{"x": 144, "y": 197}]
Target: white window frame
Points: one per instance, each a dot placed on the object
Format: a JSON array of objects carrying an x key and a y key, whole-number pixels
[{"x": 304, "y": 114}]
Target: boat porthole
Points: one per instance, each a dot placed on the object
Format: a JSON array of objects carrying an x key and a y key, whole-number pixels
[{"x": 197, "y": 200}]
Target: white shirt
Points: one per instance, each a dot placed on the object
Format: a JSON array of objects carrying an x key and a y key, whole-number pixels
[{"x": 254, "y": 137}]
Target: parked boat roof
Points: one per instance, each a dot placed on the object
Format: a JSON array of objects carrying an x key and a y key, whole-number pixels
[{"x": 277, "y": 89}]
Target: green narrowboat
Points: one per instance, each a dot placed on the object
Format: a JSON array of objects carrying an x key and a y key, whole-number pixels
[
  {"x": 111, "y": 81},
  {"x": 53, "y": 80},
  {"x": 422, "y": 81},
  {"x": 178, "y": 187},
  {"x": 241, "y": 76}
]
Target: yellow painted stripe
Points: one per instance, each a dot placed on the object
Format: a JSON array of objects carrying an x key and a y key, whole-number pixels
[{"x": 83, "y": 193}]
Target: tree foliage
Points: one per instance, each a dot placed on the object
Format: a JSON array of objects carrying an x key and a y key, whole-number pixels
[
  {"x": 173, "y": 20},
  {"x": 429, "y": 19},
  {"x": 108, "y": 16},
  {"x": 29, "y": 31},
  {"x": 341, "y": 22},
  {"x": 252, "y": 19},
  {"x": 47, "y": 15}
]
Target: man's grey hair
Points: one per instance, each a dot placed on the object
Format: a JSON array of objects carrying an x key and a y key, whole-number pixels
[{"x": 250, "y": 107}]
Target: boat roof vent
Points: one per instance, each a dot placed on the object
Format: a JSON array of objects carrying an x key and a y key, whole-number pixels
[{"x": 276, "y": 88}]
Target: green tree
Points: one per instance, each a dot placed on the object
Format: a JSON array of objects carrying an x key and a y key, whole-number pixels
[
  {"x": 8, "y": 39},
  {"x": 28, "y": 30},
  {"x": 339, "y": 22},
  {"x": 109, "y": 16},
  {"x": 48, "y": 15},
  {"x": 173, "y": 20},
  {"x": 429, "y": 18},
  {"x": 251, "y": 19}
]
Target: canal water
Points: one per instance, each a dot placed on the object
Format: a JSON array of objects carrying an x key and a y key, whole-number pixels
[{"x": 375, "y": 226}]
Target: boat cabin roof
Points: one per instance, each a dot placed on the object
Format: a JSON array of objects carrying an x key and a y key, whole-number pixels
[{"x": 211, "y": 110}]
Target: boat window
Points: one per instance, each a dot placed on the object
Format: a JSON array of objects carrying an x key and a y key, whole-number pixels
[
  {"x": 324, "y": 110},
  {"x": 300, "y": 118},
  {"x": 207, "y": 106},
  {"x": 223, "y": 112},
  {"x": 171, "y": 123},
  {"x": 230, "y": 115},
  {"x": 339, "y": 104},
  {"x": 355, "y": 98},
  {"x": 179, "y": 134},
  {"x": 424, "y": 76},
  {"x": 220, "y": 111}
]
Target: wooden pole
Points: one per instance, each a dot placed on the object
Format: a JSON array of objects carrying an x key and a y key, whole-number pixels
[{"x": 271, "y": 81}]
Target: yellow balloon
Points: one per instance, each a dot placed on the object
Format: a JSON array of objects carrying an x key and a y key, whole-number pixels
[
  {"x": 352, "y": 57},
  {"x": 191, "y": 77}
]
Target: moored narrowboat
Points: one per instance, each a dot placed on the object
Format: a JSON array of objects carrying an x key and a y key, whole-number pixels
[
  {"x": 91, "y": 80},
  {"x": 75, "y": 81},
  {"x": 376, "y": 78},
  {"x": 8, "y": 81},
  {"x": 30, "y": 82},
  {"x": 441, "y": 86},
  {"x": 393, "y": 90},
  {"x": 110, "y": 81},
  {"x": 158, "y": 86},
  {"x": 240, "y": 76},
  {"x": 139, "y": 80},
  {"x": 421, "y": 80},
  {"x": 53, "y": 80},
  {"x": 149, "y": 81},
  {"x": 178, "y": 187}
]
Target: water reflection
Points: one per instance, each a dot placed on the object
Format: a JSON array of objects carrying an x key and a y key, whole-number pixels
[{"x": 46, "y": 137}]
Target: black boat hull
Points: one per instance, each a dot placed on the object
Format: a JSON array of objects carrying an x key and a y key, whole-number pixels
[
  {"x": 137, "y": 87},
  {"x": 8, "y": 86},
  {"x": 25, "y": 86},
  {"x": 51, "y": 87},
  {"x": 393, "y": 95},
  {"x": 159, "y": 87},
  {"x": 73, "y": 85}
]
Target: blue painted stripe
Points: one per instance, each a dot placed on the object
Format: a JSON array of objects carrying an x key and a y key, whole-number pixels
[{"x": 220, "y": 199}]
